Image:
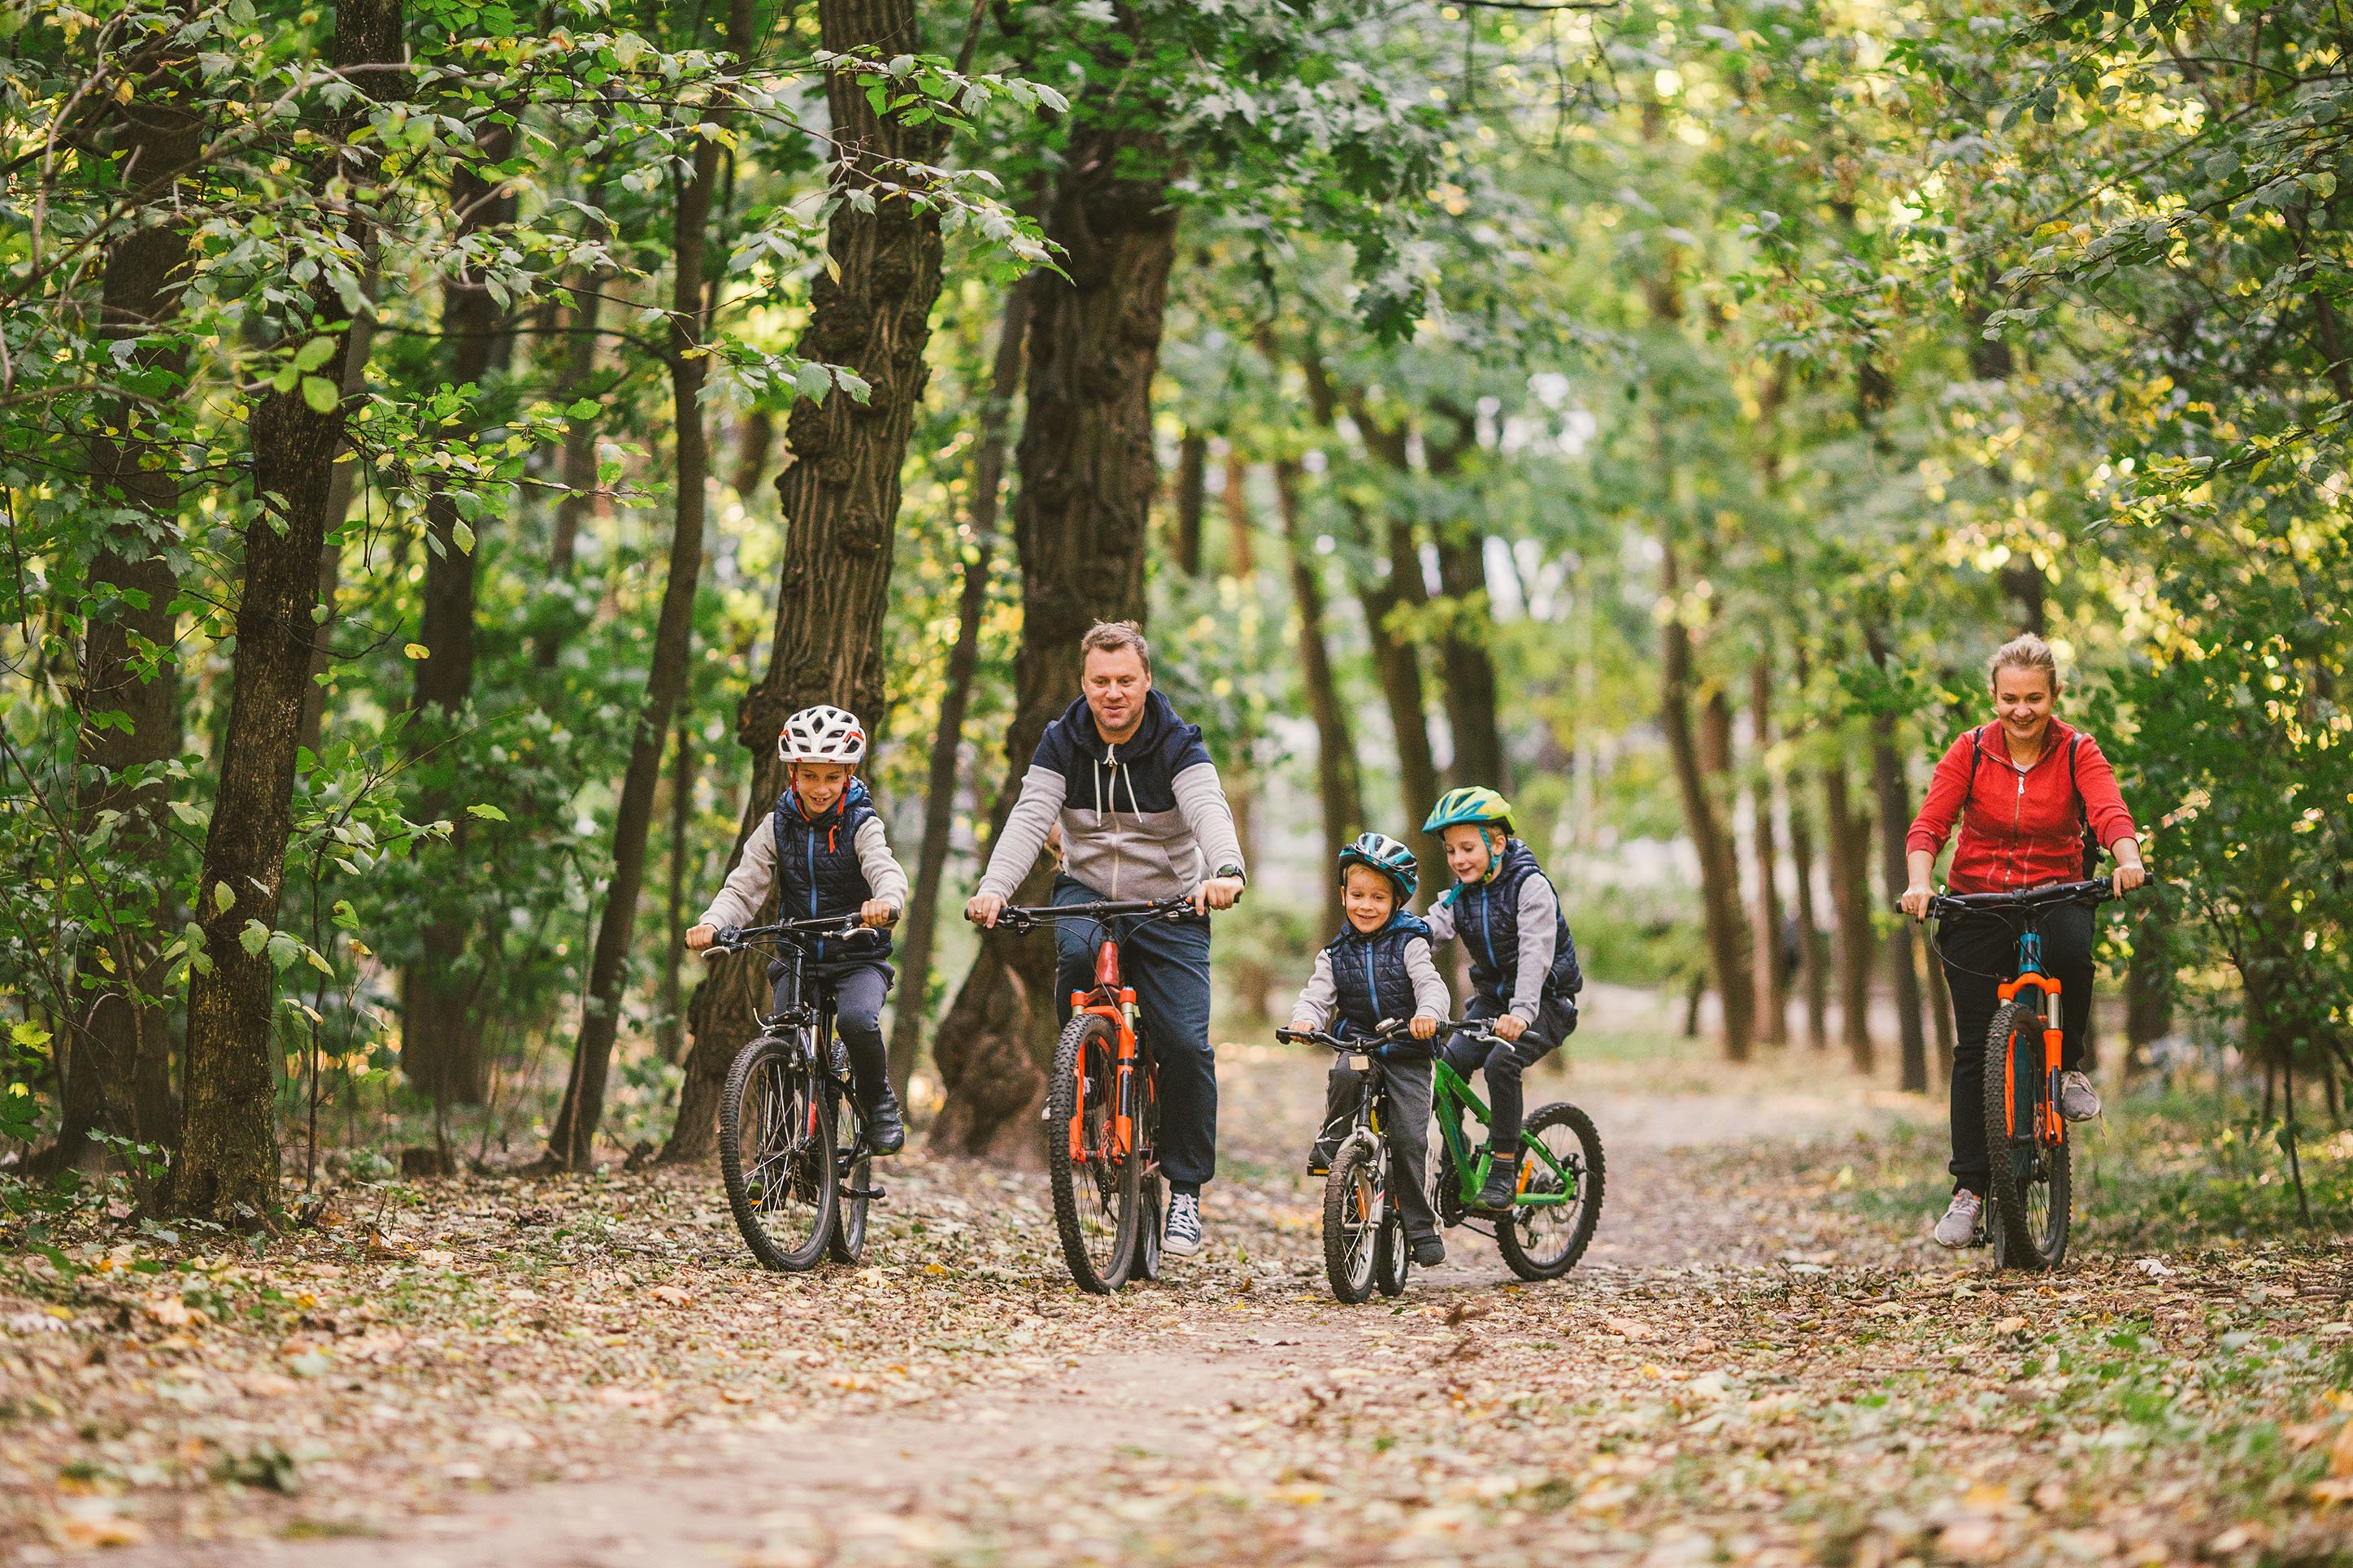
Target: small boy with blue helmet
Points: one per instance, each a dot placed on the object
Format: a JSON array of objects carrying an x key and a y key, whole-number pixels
[
  {"x": 1377, "y": 971},
  {"x": 1523, "y": 972}
]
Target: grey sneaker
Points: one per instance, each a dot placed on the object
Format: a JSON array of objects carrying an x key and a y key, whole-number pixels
[
  {"x": 1958, "y": 1228},
  {"x": 1181, "y": 1238},
  {"x": 2078, "y": 1100}
]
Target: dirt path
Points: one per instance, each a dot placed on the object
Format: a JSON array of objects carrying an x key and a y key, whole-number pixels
[{"x": 1749, "y": 1369}]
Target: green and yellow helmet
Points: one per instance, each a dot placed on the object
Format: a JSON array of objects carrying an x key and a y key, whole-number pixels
[{"x": 1475, "y": 804}]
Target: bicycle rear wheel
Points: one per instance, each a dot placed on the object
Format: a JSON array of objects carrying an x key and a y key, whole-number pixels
[
  {"x": 2030, "y": 1190},
  {"x": 1392, "y": 1255},
  {"x": 1098, "y": 1195},
  {"x": 776, "y": 1151},
  {"x": 1355, "y": 1209},
  {"x": 1544, "y": 1240}
]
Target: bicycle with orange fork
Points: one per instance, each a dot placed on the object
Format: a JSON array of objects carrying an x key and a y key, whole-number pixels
[
  {"x": 1102, "y": 1108},
  {"x": 2030, "y": 1194}
]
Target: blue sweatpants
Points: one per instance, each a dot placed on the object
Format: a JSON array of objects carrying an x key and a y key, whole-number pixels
[{"x": 1167, "y": 962}]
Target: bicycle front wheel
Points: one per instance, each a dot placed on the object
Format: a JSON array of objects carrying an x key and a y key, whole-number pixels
[
  {"x": 776, "y": 1151},
  {"x": 2031, "y": 1190},
  {"x": 1098, "y": 1193},
  {"x": 1542, "y": 1239},
  {"x": 1355, "y": 1207}
]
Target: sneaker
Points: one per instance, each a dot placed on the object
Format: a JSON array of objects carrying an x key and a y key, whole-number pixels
[
  {"x": 886, "y": 1128},
  {"x": 1502, "y": 1183},
  {"x": 1181, "y": 1238},
  {"x": 1958, "y": 1228},
  {"x": 1429, "y": 1252},
  {"x": 2078, "y": 1100}
]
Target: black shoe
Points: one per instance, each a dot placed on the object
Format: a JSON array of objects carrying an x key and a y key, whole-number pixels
[
  {"x": 1429, "y": 1252},
  {"x": 1502, "y": 1183},
  {"x": 886, "y": 1129}
]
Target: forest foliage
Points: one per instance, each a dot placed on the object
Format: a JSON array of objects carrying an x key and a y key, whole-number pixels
[{"x": 435, "y": 440}]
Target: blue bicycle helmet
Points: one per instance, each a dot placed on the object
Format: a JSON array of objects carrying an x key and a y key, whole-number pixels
[{"x": 1387, "y": 856}]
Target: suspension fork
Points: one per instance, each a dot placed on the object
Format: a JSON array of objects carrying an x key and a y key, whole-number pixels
[
  {"x": 1121, "y": 1088},
  {"x": 2048, "y": 1128}
]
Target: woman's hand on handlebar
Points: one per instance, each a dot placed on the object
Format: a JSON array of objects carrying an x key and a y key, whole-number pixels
[
  {"x": 1914, "y": 902},
  {"x": 983, "y": 909}
]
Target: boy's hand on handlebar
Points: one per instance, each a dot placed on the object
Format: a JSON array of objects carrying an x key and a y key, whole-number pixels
[
  {"x": 879, "y": 912},
  {"x": 1510, "y": 1026},
  {"x": 1217, "y": 893},
  {"x": 699, "y": 937},
  {"x": 983, "y": 909},
  {"x": 1424, "y": 1027},
  {"x": 1914, "y": 902}
]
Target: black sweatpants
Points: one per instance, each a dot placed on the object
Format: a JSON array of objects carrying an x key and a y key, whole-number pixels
[
  {"x": 858, "y": 989},
  {"x": 1504, "y": 1061},
  {"x": 1981, "y": 952}
]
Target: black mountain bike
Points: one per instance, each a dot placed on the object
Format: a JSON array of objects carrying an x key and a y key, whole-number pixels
[
  {"x": 793, "y": 1149},
  {"x": 2030, "y": 1194},
  {"x": 1364, "y": 1246}
]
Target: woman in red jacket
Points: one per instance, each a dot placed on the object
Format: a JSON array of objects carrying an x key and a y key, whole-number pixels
[{"x": 2027, "y": 791}]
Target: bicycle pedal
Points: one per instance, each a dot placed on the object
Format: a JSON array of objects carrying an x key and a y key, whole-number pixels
[{"x": 871, "y": 1195}]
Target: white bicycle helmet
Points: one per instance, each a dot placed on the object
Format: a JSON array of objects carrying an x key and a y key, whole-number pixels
[{"x": 822, "y": 734}]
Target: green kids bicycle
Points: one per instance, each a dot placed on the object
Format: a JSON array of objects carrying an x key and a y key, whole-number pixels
[{"x": 1552, "y": 1217}]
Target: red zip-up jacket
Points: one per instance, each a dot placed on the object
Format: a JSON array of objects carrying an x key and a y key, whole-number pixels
[{"x": 2019, "y": 830}]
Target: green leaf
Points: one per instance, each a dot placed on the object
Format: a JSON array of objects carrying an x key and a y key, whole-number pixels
[
  {"x": 462, "y": 537},
  {"x": 254, "y": 937},
  {"x": 813, "y": 381},
  {"x": 313, "y": 355},
  {"x": 224, "y": 900},
  {"x": 487, "y": 813},
  {"x": 320, "y": 393}
]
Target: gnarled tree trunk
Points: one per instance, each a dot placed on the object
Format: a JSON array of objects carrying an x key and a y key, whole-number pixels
[
  {"x": 117, "y": 1048},
  {"x": 964, "y": 659},
  {"x": 871, "y": 312},
  {"x": 1894, "y": 802},
  {"x": 1079, "y": 522},
  {"x": 228, "y": 1163}
]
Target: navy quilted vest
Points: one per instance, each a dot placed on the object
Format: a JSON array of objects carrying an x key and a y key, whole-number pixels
[
  {"x": 1487, "y": 920},
  {"x": 1370, "y": 975},
  {"x": 818, "y": 874}
]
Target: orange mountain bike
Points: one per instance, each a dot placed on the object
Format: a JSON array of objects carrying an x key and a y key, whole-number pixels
[
  {"x": 2030, "y": 1192},
  {"x": 1103, "y": 1110}
]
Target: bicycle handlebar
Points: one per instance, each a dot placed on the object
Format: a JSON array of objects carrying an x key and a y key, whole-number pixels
[
  {"x": 727, "y": 938},
  {"x": 1015, "y": 917},
  {"x": 2098, "y": 891}
]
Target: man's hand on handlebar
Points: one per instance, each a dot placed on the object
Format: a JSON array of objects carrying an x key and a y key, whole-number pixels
[
  {"x": 983, "y": 910},
  {"x": 1217, "y": 893},
  {"x": 699, "y": 937}
]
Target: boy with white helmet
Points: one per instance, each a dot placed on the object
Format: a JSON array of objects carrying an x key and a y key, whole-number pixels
[{"x": 823, "y": 851}]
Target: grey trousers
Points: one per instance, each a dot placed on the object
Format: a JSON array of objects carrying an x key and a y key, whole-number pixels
[{"x": 1406, "y": 1129}]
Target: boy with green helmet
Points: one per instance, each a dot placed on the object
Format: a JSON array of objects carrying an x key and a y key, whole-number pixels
[{"x": 1524, "y": 972}]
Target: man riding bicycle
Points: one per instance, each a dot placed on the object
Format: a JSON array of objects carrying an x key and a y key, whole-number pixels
[
  {"x": 2035, "y": 800},
  {"x": 1143, "y": 815}
]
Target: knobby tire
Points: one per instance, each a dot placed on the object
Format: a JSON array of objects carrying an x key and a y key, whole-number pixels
[
  {"x": 779, "y": 1173},
  {"x": 2029, "y": 1176},
  {"x": 1097, "y": 1202},
  {"x": 1355, "y": 1209},
  {"x": 1544, "y": 1241}
]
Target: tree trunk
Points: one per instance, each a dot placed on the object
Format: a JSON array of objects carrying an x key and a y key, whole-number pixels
[
  {"x": 673, "y": 1035},
  {"x": 1336, "y": 779},
  {"x": 1192, "y": 494},
  {"x": 2149, "y": 983},
  {"x": 339, "y": 509},
  {"x": 1726, "y": 931},
  {"x": 1813, "y": 975},
  {"x": 1463, "y": 656},
  {"x": 1242, "y": 561},
  {"x": 572, "y": 1143},
  {"x": 578, "y": 467},
  {"x": 228, "y": 1163},
  {"x": 964, "y": 659},
  {"x": 1772, "y": 988},
  {"x": 1079, "y": 523},
  {"x": 1849, "y": 827},
  {"x": 871, "y": 312},
  {"x": 116, "y": 1044},
  {"x": 1894, "y": 818},
  {"x": 441, "y": 1031}
]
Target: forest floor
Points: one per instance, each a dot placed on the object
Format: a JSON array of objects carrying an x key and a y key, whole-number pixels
[{"x": 1762, "y": 1362}]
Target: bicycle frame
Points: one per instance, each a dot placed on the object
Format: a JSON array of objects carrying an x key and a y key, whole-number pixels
[
  {"x": 1450, "y": 1095},
  {"x": 2047, "y": 1128},
  {"x": 1115, "y": 1001}
]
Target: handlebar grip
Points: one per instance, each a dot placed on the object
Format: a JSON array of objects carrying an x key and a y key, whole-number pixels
[{"x": 1290, "y": 1037}]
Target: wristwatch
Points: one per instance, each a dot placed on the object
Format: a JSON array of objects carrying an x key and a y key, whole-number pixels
[{"x": 1233, "y": 871}]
